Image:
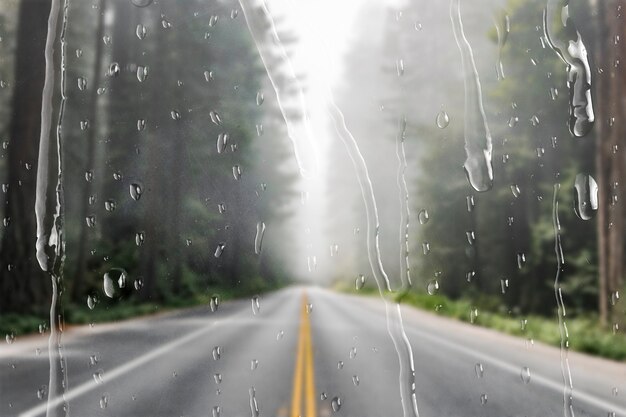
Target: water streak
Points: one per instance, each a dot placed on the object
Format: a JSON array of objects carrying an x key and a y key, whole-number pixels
[
  {"x": 50, "y": 246},
  {"x": 405, "y": 210},
  {"x": 395, "y": 327},
  {"x": 568, "y": 407},
  {"x": 503, "y": 27},
  {"x": 478, "y": 146},
  {"x": 564, "y": 39},
  {"x": 268, "y": 43}
]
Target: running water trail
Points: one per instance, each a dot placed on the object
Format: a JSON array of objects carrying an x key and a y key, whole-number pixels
[
  {"x": 566, "y": 42},
  {"x": 568, "y": 388},
  {"x": 298, "y": 126},
  {"x": 50, "y": 246},
  {"x": 478, "y": 146},
  {"x": 405, "y": 210},
  {"x": 393, "y": 316},
  {"x": 503, "y": 27}
]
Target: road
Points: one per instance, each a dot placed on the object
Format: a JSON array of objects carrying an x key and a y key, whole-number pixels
[{"x": 304, "y": 348}]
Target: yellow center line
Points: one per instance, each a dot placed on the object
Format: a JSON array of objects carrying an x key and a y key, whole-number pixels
[{"x": 304, "y": 372}]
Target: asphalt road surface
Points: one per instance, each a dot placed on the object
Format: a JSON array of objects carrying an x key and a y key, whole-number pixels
[{"x": 306, "y": 352}]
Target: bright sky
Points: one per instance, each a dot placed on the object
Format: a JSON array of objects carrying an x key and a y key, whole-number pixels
[{"x": 324, "y": 30}]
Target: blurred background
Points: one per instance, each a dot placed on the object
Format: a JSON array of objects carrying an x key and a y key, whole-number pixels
[{"x": 179, "y": 175}]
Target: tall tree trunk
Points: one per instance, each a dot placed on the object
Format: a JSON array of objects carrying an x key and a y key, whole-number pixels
[
  {"x": 81, "y": 260},
  {"x": 609, "y": 157},
  {"x": 22, "y": 283}
]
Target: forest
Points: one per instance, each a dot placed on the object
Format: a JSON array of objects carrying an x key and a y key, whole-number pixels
[{"x": 178, "y": 177}]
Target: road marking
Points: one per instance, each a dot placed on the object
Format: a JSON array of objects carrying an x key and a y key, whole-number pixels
[
  {"x": 121, "y": 370},
  {"x": 304, "y": 372},
  {"x": 538, "y": 379}
]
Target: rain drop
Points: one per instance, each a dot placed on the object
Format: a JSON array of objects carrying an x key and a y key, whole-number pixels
[
  {"x": 141, "y": 32},
  {"x": 217, "y": 353},
  {"x": 442, "y": 119},
  {"x": 359, "y": 282},
  {"x": 114, "y": 69},
  {"x": 336, "y": 404},
  {"x": 258, "y": 239},
  {"x": 135, "y": 191},
  {"x": 219, "y": 249},
  {"x": 214, "y": 303},
  {"x": 432, "y": 287},
  {"x": 82, "y": 83},
  {"x": 114, "y": 282},
  {"x": 256, "y": 305},
  {"x": 141, "y": 3},
  {"x": 423, "y": 216},
  {"x": 480, "y": 371},
  {"x": 91, "y": 301},
  {"x": 585, "y": 196}
]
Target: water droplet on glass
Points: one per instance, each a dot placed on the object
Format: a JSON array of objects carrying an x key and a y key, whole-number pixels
[
  {"x": 104, "y": 401},
  {"x": 340, "y": 365},
  {"x": 352, "y": 353},
  {"x": 216, "y": 411},
  {"x": 359, "y": 282},
  {"x": 215, "y": 117},
  {"x": 208, "y": 76},
  {"x": 483, "y": 399},
  {"x": 515, "y": 190},
  {"x": 258, "y": 238},
  {"x": 135, "y": 191},
  {"x": 114, "y": 69},
  {"x": 138, "y": 284},
  {"x": 355, "y": 380},
  {"x": 90, "y": 221},
  {"x": 142, "y": 73},
  {"x": 91, "y": 301},
  {"x": 254, "y": 364},
  {"x": 82, "y": 83},
  {"x": 42, "y": 392},
  {"x": 217, "y": 353},
  {"x": 256, "y": 304},
  {"x": 423, "y": 216},
  {"x": 213, "y": 20},
  {"x": 140, "y": 238},
  {"x": 222, "y": 141},
  {"x": 521, "y": 260},
  {"x": 473, "y": 315},
  {"x": 471, "y": 237},
  {"x": 260, "y": 98},
  {"x": 98, "y": 376},
  {"x": 141, "y": 3},
  {"x": 585, "y": 196},
  {"x": 480, "y": 371},
  {"x": 335, "y": 403},
  {"x": 114, "y": 282},
  {"x": 614, "y": 297},
  {"x": 141, "y": 32},
  {"x": 525, "y": 375},
  {"x": 110, "y": 205},
  {"x": 442, "y": 119},
  {"x": 219, "y": 249},
  {"x": 10, "y": 338},
  {"x": 214, "y": 303},
  {"x": 237, "y": 172},
  {"x": 432, "y": 287},
  {"x": 175, "y": 115}
]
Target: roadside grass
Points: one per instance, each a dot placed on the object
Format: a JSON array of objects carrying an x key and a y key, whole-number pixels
[
  {"x": 585, "y": 333},
  {"x": 12, "y": 325}
]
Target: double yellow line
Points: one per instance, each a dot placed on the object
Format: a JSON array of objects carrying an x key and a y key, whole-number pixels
[{"x": 304, "y": 375}]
